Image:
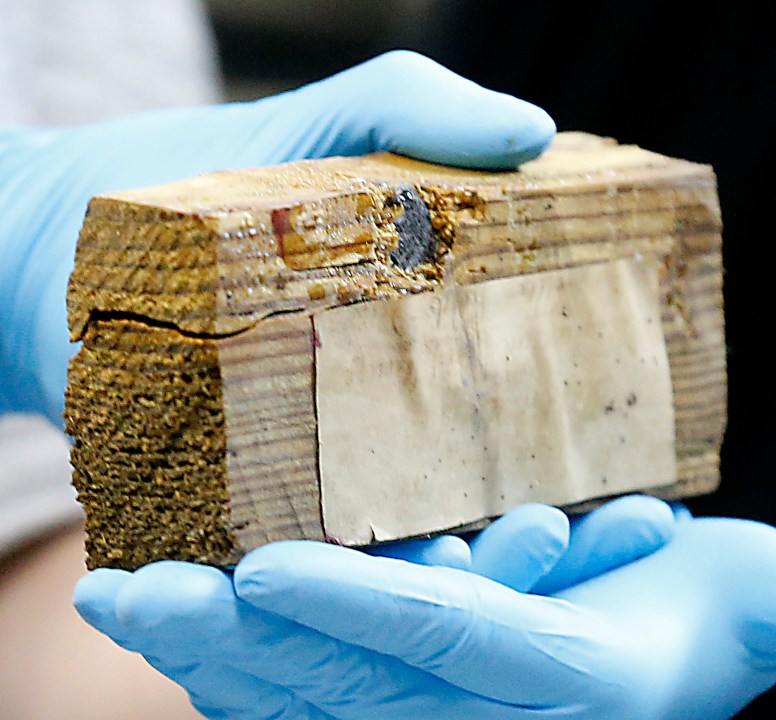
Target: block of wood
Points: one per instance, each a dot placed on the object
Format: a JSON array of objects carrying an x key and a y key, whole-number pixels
[{"x": 360, "y": 350}]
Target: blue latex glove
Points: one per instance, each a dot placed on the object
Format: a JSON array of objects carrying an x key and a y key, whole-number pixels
[
  {"x": 400, "y": 101},
  {"x": 322, "y": 632}
]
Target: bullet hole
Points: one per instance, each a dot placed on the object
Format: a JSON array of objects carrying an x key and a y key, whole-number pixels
[
  {"x": 631, "y": 400},
  {"x": 609, "y": 408},
  {"x": 416, "y": 240}
]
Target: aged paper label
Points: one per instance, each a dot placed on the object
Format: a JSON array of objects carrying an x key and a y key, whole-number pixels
[{"x": 444, "y": 408}]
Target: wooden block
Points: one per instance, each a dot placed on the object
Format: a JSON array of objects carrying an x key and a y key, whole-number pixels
[{"x": 365, "y": 349}]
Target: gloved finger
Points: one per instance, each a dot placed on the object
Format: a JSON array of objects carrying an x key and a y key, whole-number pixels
[
  {"x": 522, "y": 546},
  {"x": 758, "y": 636},
  {"x": 188, "y": 628},
  {"x": 178, "y": 589},
  {"x": 406, "y": 103},
  {"x": 612, "y": 535},
  {"x": 446, "y": 550},
  {"x": 458, "y": 626},
  {"x": 681, "y": 512},
  {"x": 94, "y": 597},
  {"x": 215, "y": 694}
]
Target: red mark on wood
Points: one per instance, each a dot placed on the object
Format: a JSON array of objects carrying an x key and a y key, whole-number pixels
[
  {"x": 281, "y": 225},
  {"x": 315, "y": 338}
]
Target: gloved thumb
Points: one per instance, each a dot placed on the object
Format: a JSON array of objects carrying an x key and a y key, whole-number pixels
[
  {"x": 522, "y": 546},
  {"x": 399, "y": 102}
]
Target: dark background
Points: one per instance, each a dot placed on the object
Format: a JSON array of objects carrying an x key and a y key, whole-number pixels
[{"x": 694, "y": 81}]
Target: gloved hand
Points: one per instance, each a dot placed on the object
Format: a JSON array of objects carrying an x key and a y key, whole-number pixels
[
  {"x": 400, "y": 101},
  {"x": 688, "y": 632},
  {"x": 321, "y": 632}
]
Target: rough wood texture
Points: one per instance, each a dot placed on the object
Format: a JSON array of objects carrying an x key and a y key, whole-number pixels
[{"x": 192, "y": 400}]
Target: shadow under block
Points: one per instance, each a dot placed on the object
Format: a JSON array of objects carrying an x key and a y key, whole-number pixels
[{"x": 364, "y": 349}]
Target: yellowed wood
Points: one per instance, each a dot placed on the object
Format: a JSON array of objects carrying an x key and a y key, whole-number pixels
[
  {"x": 195, "y": 270},
  {"x": 269, "y": 399},
  {"x": 145, "y": 410}
]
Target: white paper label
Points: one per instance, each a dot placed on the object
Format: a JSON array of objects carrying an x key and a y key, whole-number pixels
[{"x": 444, "y": 408}]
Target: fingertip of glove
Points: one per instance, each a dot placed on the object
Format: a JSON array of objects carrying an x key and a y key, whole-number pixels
[
  {"x": 501, "y": 137},
  {"x": 759, "y": 638},
  {"x": 681, "y": 512},
  {"x": 615, "y": 534},
  {"x": 628, "y": 528},
  {"x": 169, "y": 589},
  {"x": 402, "y": 64},
  {"x": 443, "y": 551},
  {"x": 522, "y": 546},
  {"x": 654, "y": 517},
  {"x": 533, "y": 131},
  {"x": 412, "y": 105},
  {"x": 531, "y": 522},
  {"x": 95, "y": 593}
]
